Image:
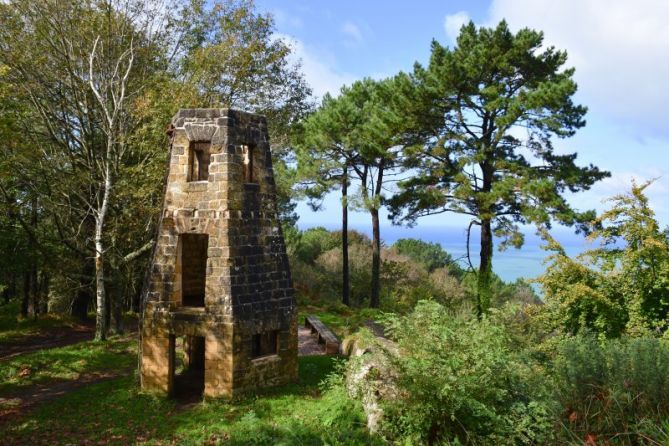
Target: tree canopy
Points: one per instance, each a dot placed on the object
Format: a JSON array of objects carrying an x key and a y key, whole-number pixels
[{"x": 487, "y": 111}]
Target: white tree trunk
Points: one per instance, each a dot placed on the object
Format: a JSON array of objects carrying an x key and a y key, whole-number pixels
[
  {"x": 112, "y": 101},
  {"x": 101, "y": 296}
]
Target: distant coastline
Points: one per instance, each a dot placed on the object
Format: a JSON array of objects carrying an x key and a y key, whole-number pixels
[{"x": 512, "y": 264}]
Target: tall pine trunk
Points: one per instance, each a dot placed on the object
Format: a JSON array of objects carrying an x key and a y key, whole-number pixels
[
  {"x": 84, "y": 296},
  {"x": 44, "y": 287},
  {"x": 376, "y": 238},
  {"x": 25, "y": 299},
  {"x": 346, "y": 287},
  {"x": 484, "y": 291},
  {"x": 376, "y": 258}
]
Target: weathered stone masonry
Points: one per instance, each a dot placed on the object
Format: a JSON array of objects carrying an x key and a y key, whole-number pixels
[{"x": 220, "y": 202}]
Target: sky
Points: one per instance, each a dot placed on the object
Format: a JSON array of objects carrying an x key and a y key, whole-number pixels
[{"x": 619, "y": 48}]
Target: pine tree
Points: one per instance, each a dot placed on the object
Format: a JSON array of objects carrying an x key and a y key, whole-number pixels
[{"x": 469, "y": 106}]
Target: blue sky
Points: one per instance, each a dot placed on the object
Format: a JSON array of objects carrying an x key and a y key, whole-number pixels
[{"x": 620, "y": 50}]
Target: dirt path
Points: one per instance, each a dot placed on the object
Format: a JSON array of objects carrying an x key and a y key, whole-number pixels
[
  {"x": 53, "y": 338},
  {"x": 17, "y": 403},
  {"x": 47, "y": 339},
  {"x": 307, "y": 343}
]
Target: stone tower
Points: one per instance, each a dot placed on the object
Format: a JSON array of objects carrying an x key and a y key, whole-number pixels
[{"x": 220, "y": 290}]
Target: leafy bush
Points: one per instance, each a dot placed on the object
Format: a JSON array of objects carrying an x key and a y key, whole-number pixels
[
  {"x": 360, "y": 270},
  {"x": 462, "y": 384},
  {"x": 430, "y": 255},
  {"x": 315, "y": 241},
  {"x": 411, "y": 270},
  {"x": 502, "y": 292},
  {"x": 619, "y": 287}
]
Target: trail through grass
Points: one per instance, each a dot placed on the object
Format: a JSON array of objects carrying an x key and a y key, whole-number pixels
[
  {"x": 14, "y": 327},
  {"x": 67, "y": 363},
  {"x": 116, "y": 413}
]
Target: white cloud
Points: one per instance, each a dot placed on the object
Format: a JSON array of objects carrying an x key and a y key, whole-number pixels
[
  {"x": 618, "y": 47},
  {"x": 352, "y": 32},
  {"x": 319, "y": 68},
  {"x": 453, "y": 23}
]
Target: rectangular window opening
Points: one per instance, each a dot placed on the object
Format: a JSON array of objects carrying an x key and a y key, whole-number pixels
[
  {"x": 248, "y": 152},
  {"x": 265, "y": 344},
  {"x": 193, "y": 269},
  {"x": 187, "y": 366},
  {"x": 198, "y": 161}
]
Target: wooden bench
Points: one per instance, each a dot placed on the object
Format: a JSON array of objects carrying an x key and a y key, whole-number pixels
[{"x": 325, "y": 335}]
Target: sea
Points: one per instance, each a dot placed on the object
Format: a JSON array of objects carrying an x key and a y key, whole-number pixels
[{"x": 511, "y": 264}]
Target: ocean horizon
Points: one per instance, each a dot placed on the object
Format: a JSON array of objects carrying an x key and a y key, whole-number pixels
[{"x": 510, "y": 264}]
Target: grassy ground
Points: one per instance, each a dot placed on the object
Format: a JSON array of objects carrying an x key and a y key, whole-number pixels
[
  {"x": 67, "y": 363},
  {"x": 115, "y": 412},
  {"x": 13, "y": 327}
]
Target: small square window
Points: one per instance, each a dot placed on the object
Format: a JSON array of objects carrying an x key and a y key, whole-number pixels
[
  {"x": 198, "y": 161},
  {"x": 265, "y": 344}
]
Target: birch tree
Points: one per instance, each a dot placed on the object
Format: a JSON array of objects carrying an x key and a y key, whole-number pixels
[{"x": 110, "y": 91}]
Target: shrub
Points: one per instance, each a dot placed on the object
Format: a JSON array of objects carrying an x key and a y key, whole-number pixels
[
  {"x": 619, "y": 287},
  {"x": 360, "y": 270},
  {"x": 447, "y": 288},
  {"x": 313, "y": 242},
  {"x": 611, "y": 389},
  {"x": 430, "y": 255},
  {"x": 462, "y": 384}
]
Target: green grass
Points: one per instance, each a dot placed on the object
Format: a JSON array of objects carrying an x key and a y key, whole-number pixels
[
  {"x": 67, "y": 363},
  {"x": 13, "y": 326},
  {"x": 114, "y": 412}
]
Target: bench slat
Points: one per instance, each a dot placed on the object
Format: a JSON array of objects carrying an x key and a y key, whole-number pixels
[{"x": 325, "y": 335}]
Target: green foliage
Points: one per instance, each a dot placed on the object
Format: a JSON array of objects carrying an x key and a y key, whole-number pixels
[
  {"x": 462, "y": 384},
  {"x": 430, "y": 255},
  {"x": 613, "y": 390},
  {"x": 360, "y": 270},
  {"x": 619, "y": 287},
  {"x": 314, "y": 242},
  {"x": 464, "y": 108},
  {"x": 406, "y": 278}
]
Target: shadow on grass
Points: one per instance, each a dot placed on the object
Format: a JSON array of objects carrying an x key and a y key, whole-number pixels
[
  {"x": 65, "y": 363},
  {"x": 114, "y": 412}
]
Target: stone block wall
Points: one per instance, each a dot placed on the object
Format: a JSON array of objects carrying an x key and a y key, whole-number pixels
[{"x": 248, "y": 290}]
